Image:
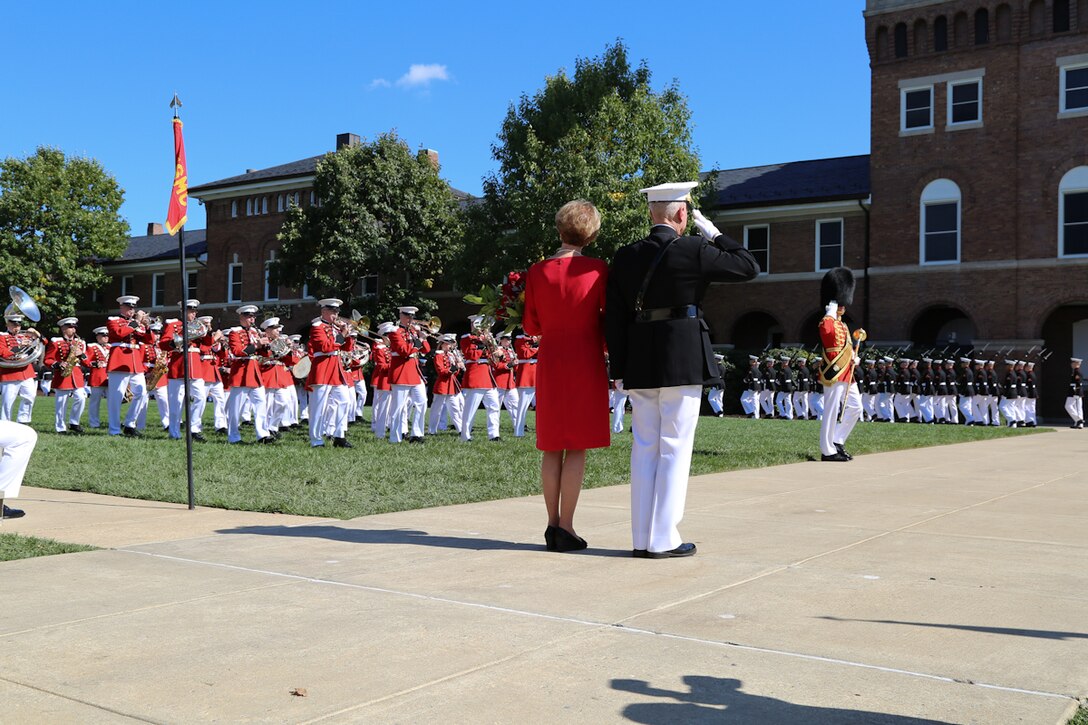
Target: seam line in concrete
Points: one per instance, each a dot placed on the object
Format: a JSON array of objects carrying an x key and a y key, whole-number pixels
[
  {"x": 76, "y": 699},
  {"x": 615, "y": 626}
]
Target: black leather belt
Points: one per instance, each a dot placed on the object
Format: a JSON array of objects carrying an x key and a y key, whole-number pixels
[{"x": 661, "y": 314}]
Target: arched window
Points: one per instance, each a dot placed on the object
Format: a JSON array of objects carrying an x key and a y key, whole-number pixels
[
  {"x": 1073, "y": 213},
  {"x": 1037, "y": 17},
  {"x": 959, "y": 30},
  {"x": 982, "y": 26},
  {"x": 882, "y": 43},
  {"x": 1061, "y": 16},
  {"x": 1003, "y": 20},
  {"x": 901, "y": 40},
  {"x": 1082, "y": 14},
  {"x": 940, "y": 34},
  {"x": 920, "y": 37},
  {"x": 939, "y": 240}
]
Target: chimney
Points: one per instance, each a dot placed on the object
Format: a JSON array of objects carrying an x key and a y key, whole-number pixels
[
  {"x": 154, "y": 228},
  {"x": 431, "y": 155},
  {"x": 346, "y": 139},
  {"x": 250, "y": 171}
]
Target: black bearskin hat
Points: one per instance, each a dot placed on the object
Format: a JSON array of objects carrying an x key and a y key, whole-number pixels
[{"x": 837, "y": 286}]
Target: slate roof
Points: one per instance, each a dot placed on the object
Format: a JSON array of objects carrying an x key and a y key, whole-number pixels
[
  {"x": 795, "y": 182},
  {"x": 163, "y": 246},
  {"x": 304, "y": 167}
]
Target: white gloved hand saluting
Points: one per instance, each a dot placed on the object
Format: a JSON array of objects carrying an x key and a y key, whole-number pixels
[
  {"x": 705, "y": 226},
  {"x": 832, "y": 309}
]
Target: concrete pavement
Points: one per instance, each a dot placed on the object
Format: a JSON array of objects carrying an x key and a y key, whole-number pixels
[{"x": 936, "y": 585}]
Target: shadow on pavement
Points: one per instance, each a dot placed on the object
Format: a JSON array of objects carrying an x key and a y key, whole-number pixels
[
  {"x": 720, "y": 700},
  {"x": 1039, "y": 633},
  {"x": 405, "y": 536}
]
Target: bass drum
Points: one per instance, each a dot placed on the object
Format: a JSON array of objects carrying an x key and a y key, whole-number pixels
[{"x": 301, "y": 369}]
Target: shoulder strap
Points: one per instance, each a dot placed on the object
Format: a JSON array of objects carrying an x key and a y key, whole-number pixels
[{"x": 650, "y": 273}]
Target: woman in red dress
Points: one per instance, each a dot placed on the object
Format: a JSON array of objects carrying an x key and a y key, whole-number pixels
[{"x": 564, "y": 305}]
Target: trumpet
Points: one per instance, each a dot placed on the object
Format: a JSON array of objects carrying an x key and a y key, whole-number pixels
[
  {"x": 430, "y": 327},
  {"x": 360, "y": 325}
]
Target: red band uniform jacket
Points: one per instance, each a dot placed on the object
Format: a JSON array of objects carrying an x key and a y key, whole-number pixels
[
  {"x": 445, "y": 379},
  {"x": 56, "y": 352},
  {"x": 477, "y": 363},
  {"x": 383, "y": 361},
  {"x": 526, "y": 350},
  {"x": 245, "y": 366},
  {"x": 835, "y": 338},
  {"x": 8, "y": 343},
  {"x": 170, "y": 342},
  {"x": 97, "y": 360},
  {"x": 406, "y": 349},
  {"x": 325, "y": 346},
  {"x": 125, "y": 339}
]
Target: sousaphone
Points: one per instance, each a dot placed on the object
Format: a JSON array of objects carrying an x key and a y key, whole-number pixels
[{"x": 33, "y": 350}]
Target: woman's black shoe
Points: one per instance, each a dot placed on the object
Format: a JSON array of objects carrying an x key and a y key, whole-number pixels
[
  {"x": 549, "y": 538},
  {"x": 566, "y": 541}
]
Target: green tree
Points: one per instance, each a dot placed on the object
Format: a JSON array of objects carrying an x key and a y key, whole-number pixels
[
  {"x": 58, "y": 219},
  {"x": 600, "y": 135},
  {"x": 384, "y": 211}
]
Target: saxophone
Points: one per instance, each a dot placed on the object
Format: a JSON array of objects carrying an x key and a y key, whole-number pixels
[
  {"x": 161, "y": 364},
  {"x": 76, "y": 348}
]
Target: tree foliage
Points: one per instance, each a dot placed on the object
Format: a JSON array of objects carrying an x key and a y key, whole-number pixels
[
  {"x": 59, "y": 217},
  {"x": 383, "y": 210},
  {"x": 600, "y": 135}
]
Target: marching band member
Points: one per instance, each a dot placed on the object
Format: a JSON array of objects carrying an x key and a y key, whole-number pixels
[
  {"x": 170, "y": 343},
  {"x": 328, "y": 379},
  {"x": 126, "y": 365},
  {"x": 479, "y": 382},
  {"x": 407, "y": 344},
  {"x": 446, "y": 385},
  {"x": 17, "y": 442},
  {"x": 246, "y": 348},
  {"x": 359, "y": 360},
  {"x": 214, "y": 358},
  {"x": 155, "y": 367},
  {"x": 753, "y": 386},
  {"x": 64, "y": 355},
  {"x": 276, "y": 361},
  {"x": 301, "y": 410},
  {"x": 526, "y": 347},
  {"x": 837, "y": 368},
  {"x": 18, "y": 386},
  {"x": 98, "y": 355},
  {"x": 504, "y": 364},
  {"x": 379, "y": 380}
]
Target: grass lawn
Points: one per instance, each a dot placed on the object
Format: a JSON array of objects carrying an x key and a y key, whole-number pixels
[
  {"x": 377, "y": 476},
  {"x": 1081, "y": 717},
  {"x": 14, "y": 546}
]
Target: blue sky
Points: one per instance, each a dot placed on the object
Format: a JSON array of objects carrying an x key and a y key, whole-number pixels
[{"x": 265, "y": 83}]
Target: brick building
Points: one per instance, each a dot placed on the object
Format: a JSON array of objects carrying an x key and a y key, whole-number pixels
[{"x": 970, "y": 225}]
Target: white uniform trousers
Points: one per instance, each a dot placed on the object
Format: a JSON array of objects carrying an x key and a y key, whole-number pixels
[
  {"x": 445, "y": 406},
  {"x": 509, "y": 400},
  {"x": 46, "y": 384},
  {"x": 925, "y": 408},
  {"x": 1021, "y": 410},
  {"x": 77, "y": 397},
  {"x": 884, "y": 409},
  {"x": 360, "y": 398},
  {"x": 95, "y": 396},
  {"x": 617, "y": 401},
  {"x": 328, "y": 405},
  {"x": 940, "y": 408},
  {"x": 1029, "y": 411},
  {"x": 490, "y": 399},
  {"x": 379, "y": 420},
  {"x": 119, "y": 382},
  {"x": 408, "y": 399},
  {"x": 716, "y": 398},
  {"x": 256, "y": 397},
  {"x": 162, "y": 408},
  {"x": 816, "y": 405},
  {"x": 526, "y": 396},
  {"x": 1010, "y": 408},
  {"x": 749, "y": 402},
  {"x": 175, "y": 394},
  {"x": 800, "y": 405},
  {"x": 18, "y": 442},
  {"x": 903, "y": 408},
  {"x": 303, "y": 396},
  {"x": 17, "y": 399},
  {"x": 967, "y": 407},
  {"x": 290, "y": 414},
  {"x": 981, "y": 406},
  {"x": 1074, "y": 406},
  {"x": 835, "y": 428},
  {"x": 952, "y": 411},
  {"x": 351, "y": 402},
  {"x": 766, "y": 401},
  {"x": 663, "y": 431},
  {"x": 868, "y": 406},
  {"x": 219, "y": 404},
  {"x": 278, "y": 405},
  {"x": 992, "y": 403},
  {"x": 784, "y": 402}
]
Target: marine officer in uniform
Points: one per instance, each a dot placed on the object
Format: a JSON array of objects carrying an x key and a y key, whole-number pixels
[
  {"x": 659, "y": 348},
  {"x": 837, "y": 366}
]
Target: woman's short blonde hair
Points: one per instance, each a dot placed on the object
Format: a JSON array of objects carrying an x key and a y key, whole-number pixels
[{"x": 578, "y": 222}]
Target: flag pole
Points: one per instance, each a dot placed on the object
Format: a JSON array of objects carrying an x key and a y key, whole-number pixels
[{"x": 179, "y": 195}]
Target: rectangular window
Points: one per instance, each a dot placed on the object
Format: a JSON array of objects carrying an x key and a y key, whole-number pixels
[
  {"x": 828, "y": 244},
  {"x": 917, "y": 111},
  {"x": 234, "y": 283},
  {"x": 271, "y": 282},
  {"x": 158, "y": 293},
  {"x": 757, "y": 240},
  {"x": 126, "y": 284},
  {"x": 1075, "y": 223},
  {"x": 1074, "y": 92},
  {"x": 941, "y": 235},
  {"x": 964, "y": 102},
  {"x": 190, "y": 287},
  {"x": 369, "y": 285},
  {"x": 306, "y": 292}
]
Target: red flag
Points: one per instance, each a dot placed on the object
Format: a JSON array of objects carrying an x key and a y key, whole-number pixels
[{"x": 179, "y": 195}]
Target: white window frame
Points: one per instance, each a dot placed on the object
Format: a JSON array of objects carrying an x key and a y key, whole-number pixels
[
  {"x": 1075, "y": 181},
  {"x": 126, "y": 284},
  {"x": 363, "y": 286},
  {"x": 230, "y": 281},
  {"x": 903, "y": 130},
  {"x": 306, "y": 291},
  {"x": 939, "y": 191},
  {"x": 768, "y": 228},
  {"x": 264, "y": 205},
  {"x": 158, "y": 287},
  {"x": 234, "y": 209},
  {"x": 191, "y": 284},
  {"x": 249, "y": 206},
  {"x": 1062, "y": 76},
  {"x": 275, "y": 294},
  {"x": 975, "y": 123},
  {"x": 842, "y": 241},
  {"x": 279, "y": 203}
]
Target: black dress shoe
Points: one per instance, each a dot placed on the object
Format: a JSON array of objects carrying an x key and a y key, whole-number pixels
[
  {"x": 495, "y": 439},
  {"x": 682, "y": 550},
  {"x": 549, "y": 538},
  {"x": 842, "y": 451},
  {"x": 131, "y": 432},
  {"x": 76, "y": 428},
  {"x": 566, "y": 541},
  {"x": 640, "y": 553},
  {"x": 266, "y": 440},
  {"x": 838, "y": 458},
  {"x": 199, "y": 437},
  {"x": 10, "y": 513},
  {"x": 415, "y": 439},
  {"x": 221, "y": 431},
  {"x": 341, "y": 443}
]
